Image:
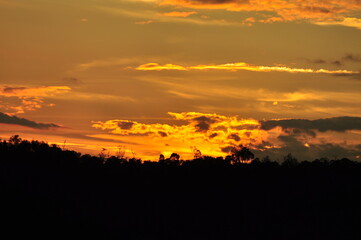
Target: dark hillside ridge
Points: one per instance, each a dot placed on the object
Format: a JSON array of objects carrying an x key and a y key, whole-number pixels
[{"x": 47, "y": 192}]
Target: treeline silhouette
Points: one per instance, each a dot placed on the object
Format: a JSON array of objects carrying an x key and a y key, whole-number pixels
[{"x": 49, "y": 192}]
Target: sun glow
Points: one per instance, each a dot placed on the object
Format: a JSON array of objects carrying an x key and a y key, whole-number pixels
[{"x": 209, "y": 132}]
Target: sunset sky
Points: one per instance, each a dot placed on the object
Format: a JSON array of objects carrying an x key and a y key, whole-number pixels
[{"x": 163, "y": 76}]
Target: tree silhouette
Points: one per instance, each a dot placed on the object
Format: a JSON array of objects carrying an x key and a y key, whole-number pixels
[
  {"x": 241, "y": 154},
  {"x": 15, "y": 139},
  {"x": 174, "y": 156},
  {"x": 289, "y": 161},
  {"x": 196, "y": 153},
  {"x": 60, "y": 190}
]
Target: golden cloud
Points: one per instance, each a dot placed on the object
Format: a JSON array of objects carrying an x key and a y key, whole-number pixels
[
  {"x": 348, "y": 22},
  {"x": 157, "y": 67},
  {"x": 285, "y": 10},
  {"x": 18, "y": 99},
  {"x": 209, "y": 132},
  {"x": 239, "y": 66},
  {"x": 215, "y": 134}
]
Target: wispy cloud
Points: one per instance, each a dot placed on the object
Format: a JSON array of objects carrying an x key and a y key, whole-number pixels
[
  {"x": 184, "y": 95},
  {"x": 145, "y": 16},
  {"x": 347, "y": 21},
  {"x": 158, "y": 67},
  {"x": 101, "y": 63},
  {"x": 239, "y": 66},
  {"x": 178, "y": 14},
  {"x": 18, "y": 99}
]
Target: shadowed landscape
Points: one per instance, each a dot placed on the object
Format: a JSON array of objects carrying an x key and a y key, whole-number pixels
[
  {"x": 50, "y": 192},
  {"x": 180, "y": 119}
]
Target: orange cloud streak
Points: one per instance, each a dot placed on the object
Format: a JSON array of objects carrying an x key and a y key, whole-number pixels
[
  {"x": 239, "y": 66},
  {"x": 178, "y": 14},
  {"x": 157, "y": 67},
  {"x": 287, "y": 10},
  {"x": 33, "y": 91}
]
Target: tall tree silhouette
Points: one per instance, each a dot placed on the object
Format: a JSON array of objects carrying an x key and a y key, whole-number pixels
[
  {"x": 241, "y": 154},
  {"x": 289, "y": 161}
]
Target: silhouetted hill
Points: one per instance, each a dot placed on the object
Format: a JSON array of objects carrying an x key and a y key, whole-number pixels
[{"x": 52, "y": 193}]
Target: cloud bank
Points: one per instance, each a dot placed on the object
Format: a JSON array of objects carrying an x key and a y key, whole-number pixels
[
  {"x": 7, "y": 119},
  {"x": 329, "y": 12},
  {"x": 216, "y": 134},
  {"x": 340, "y": 124}
]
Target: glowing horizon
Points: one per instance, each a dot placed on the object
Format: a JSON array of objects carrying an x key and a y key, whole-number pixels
[{"x": 163, "y": 76}]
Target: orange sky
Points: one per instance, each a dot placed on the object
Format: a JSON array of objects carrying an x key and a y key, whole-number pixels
[{"x": 163, "y": 76}]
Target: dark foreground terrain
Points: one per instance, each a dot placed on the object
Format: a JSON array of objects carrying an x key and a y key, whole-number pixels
[{"x": 50, "y": 193}]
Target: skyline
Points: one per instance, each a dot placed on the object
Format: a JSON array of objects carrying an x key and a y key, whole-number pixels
[{"x": 156, "y": 77}]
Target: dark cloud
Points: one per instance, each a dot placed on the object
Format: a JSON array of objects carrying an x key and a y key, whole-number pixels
[
  {"x": 220, "y": 128},
  {"x": 162, "y": 134},
  {"x": 248, "y": 134},
  {"x": 290, "y": 140},
  {"x": 356, "y": 76},
  {"x": 125, "y": 125},
  {"x": 301, "y": 152},
  {"x": 336, "y": 151},
  {"x": 4, "y": 118},
  {"x": 316, "y": 9},
  {"x": 339, "y": 124},
  {"x": 298, "y": 132},
  {"x": 234, "y": 137},
  {"x": 12, "y": 89},
  {"x": 204, "y": 119},
  {"x": 336, "y": 62},
  {"x": 290, "y": 144},
  {"x": 227, "y": 149},
  {"x": 202, "y": 127},
  {"x": 318, "y": 61},
  {"x": 203, "y": 123},
  {"x": 213, "y": 135},
  {"x": 323, "y": 61},
  {"x": 339, "y": 62},
  {"x": 352, "y": 58}
]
